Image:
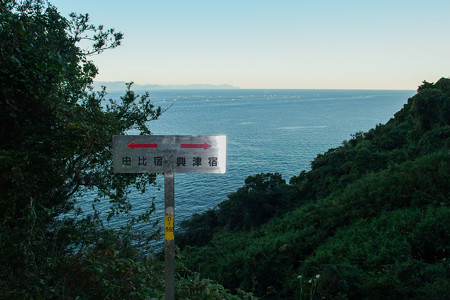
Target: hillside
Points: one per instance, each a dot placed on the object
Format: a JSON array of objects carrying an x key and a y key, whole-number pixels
[{"x": 369, "y": 220}]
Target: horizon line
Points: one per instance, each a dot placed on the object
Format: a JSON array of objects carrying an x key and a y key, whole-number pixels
[{"x": 225, "y": 86}]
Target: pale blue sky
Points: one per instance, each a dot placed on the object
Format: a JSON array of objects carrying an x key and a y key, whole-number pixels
[{"x": 355, "y": 44}]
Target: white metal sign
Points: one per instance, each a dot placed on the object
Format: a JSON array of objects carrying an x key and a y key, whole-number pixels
[{"x": 169, "y": 154}]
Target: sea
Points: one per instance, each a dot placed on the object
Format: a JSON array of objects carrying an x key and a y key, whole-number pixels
[{"x": 268, "y": 131}]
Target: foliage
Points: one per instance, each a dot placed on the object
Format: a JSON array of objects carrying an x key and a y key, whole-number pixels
[
  {"x": 190, "y": 285},
  {"x": 371, "y": 218},
  {"x": 263, "y": 197},
  {"x": 110, "y": 268},
  {"x": 55, "y": 145},
  {"x": 385, "y": 254}
]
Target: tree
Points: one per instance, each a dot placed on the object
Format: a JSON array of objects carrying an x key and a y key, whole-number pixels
[
  {"x": 262, "y": 197},
  {"x": 55, "y": 144},
  {"x": 430, "y": 107}
]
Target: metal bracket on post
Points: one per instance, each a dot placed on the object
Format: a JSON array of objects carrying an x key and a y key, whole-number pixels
[{"x": 169, "y": 216}]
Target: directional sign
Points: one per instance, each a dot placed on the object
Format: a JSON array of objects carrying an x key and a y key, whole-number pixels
[{"x": 169, "y": 153}]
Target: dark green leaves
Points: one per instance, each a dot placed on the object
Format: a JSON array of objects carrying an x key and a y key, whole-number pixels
[{"x": 55, "y": 145}]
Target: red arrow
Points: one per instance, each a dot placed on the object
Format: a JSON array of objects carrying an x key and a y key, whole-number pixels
[
  {"x": 133, "y": 145},
  {"x": 204, "y": 146}
]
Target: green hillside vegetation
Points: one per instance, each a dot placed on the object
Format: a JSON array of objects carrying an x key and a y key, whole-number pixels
[{"x": 369, "y": 220}]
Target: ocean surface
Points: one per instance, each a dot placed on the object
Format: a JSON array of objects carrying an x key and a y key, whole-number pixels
[{"x": 267, "y": 131}]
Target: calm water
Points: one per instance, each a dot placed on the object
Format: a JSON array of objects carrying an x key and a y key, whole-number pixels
[{"x": 267, "y": 131}]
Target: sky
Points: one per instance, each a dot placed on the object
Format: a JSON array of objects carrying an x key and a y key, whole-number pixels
[{"x": 276, "y": 44}]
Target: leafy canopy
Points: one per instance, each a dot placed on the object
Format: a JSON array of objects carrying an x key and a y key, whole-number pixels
[{"x": 55, "y": 145}]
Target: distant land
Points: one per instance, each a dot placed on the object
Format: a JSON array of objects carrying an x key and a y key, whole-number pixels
[{"x": 120, "y": 85}]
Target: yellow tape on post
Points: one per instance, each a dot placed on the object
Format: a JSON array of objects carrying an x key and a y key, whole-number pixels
[{"x": 168, "y": 228}]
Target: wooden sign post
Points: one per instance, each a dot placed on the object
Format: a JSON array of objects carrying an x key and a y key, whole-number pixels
[{"x": 169, "y": 154}]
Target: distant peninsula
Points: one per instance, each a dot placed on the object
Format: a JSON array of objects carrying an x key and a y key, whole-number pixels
[{"x": 120, "y": 85}]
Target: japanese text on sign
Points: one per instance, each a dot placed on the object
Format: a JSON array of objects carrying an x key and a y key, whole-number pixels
[{"x": 161, "y": 154}]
